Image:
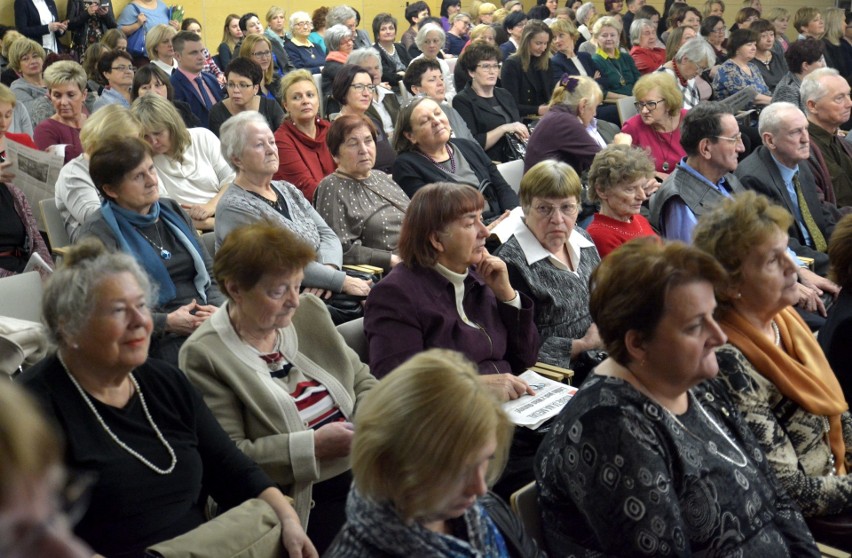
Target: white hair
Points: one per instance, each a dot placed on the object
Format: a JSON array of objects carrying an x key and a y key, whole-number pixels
[
  {"x": 812, "y": 88},
  {"x": 584, "y": 11},
  {"x": 772, "y": 116}
]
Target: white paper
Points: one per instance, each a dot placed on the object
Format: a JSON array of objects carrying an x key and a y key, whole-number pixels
[
  {"x": 36, "y": 173},
  {"x": 534, "y": 410},
  {"x": 507, "y": 227}
]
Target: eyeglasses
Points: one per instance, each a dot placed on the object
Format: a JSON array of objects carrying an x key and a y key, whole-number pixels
[
  {"x": 735, "y": 139},
  {"x": 241, "y": 86},
  {"x": 567, "y": 209},
  {"x": 262, "y": 54},
  {"x": 650, "y": 105},
  {"x": 123, "y": 68},
  {"x": 302, "y": 24},
  {"x": 490, "y": 67},
  {"x": 720, "y": 29},
  {"x": 432, "y": 42},
  {"x": 361, "y": 87}
]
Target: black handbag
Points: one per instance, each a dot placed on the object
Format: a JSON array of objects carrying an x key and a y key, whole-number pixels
[
  {"x": 514, "y": 148},
  {"x": 345, "y": 307}
]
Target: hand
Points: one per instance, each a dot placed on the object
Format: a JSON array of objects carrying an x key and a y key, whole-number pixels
[
  {"x": 222, "y": 80},
  {"x": 141, "y": 19},
  {"x": 542, "y": 110},
  {"x": 395, "y": 260},
  {"x": 661, "y": 175},
  {"x": 495, "y": 274},
  {"x": 597, "y": 75},
  {"x": 333, "y": 440},
  {"x": 622, "y": 139},
  {"x": 103, "y": 10},
  {"x": 651, "y": 186},
  {"x": 54, "y": 26},
  {"x": 505, "y": 386},
  {"x": 498, "y": 220},
  {"x": 6, "y": 175},
  {"x": 518, "y": 130},
  {"x": 810, "y": 301},
  {"x": 818, "y": 283},
  {"x": 92, "y": 9},
  {"x": 322, "y": 293},
  {"x": 175, "y": 24},
  {"x": 199, "y": 212},
  {"x": 356, "y": 287},
  {"x": 296, "y": 541},
  {"x": 204, "y": 312},
  {"x": 182, "y": 321}
]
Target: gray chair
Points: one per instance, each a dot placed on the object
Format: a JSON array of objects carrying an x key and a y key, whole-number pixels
[
  {"x": 55, "y": 225},
  {"x": 209, "y": 241},
  {"x": 353, "y": 334},
  {"x": 512, "y": 173},
  {"x": 20, "y": 296}
]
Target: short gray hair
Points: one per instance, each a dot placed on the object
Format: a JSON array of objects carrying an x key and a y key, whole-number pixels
[
  {"x": 359, "y": 55},
  {"x": 583, "y": 12},
  {"x": 812, "y": 88},
  {"x": 636, "y": 29},
  {"x": 772, "y": 116},
  {"x": 335, "y": 34},
  {"x": 606, "y": 21},
  {"x": 420, "y": 38},
  {"x": 232, "y": 134},
  {"x": 298, "y": 16},
  {"x": 697, "y": 50},
  {"x": 64, "y": 72},
  {"x": 70, "y": 293},
  {"x": 339, "y": 15}
]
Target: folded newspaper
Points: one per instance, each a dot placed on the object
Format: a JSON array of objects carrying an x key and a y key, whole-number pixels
[{"x": 532, "y": 411}]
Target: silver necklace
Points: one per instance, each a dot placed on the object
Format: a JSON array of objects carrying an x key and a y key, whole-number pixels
[
  {"x": 115, "y": 438},
  {"x": 165, "y": 254},
  {"x": 710, "y": 444}
]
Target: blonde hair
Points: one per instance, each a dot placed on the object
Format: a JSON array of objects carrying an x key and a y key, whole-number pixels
[
  {"x": 397, "y": 458},
  {"x": 107, "y": 125},
  {"x": 249, "y": 42},
  {"x": 10, "y": 37},
  {"x": 291, "y": 79},
  {"x": 667, "y": 85},
  {"x": 64, "y": 72},
  {"x": 7, "y": 96},
  {"x": 156, "y": 36},
  {"x": 549, "y": 179},
  {"x": 21, "y": 47},
  {"x": 480, "y": 30},
  {"x": 835, "y": 25},
  {"x": 274, "y": 11},
  {"x": 575, "y": 90},
  {"x": 156, "y": 114},
  {"x": 776, "y": 13},
  {"x": 564, "y": 26}
]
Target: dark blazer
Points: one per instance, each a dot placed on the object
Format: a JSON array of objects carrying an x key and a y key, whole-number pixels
[
  {"x": 186, "y": 92},
  {"x": 530, "y": 89},
  {"x": 759, "y": 172},
  {"x": 561, "y": 64},
  {"x": 388, "y": 67},
  {"x": 413, "y": 171},
  {"x": 78, "y": 21},
  {"x": 28, "y": 22},
  {"x": 834, "y": 339},
  {"x": 481, "y": 117}
]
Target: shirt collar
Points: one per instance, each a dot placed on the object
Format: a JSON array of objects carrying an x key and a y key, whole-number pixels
[
  {"x": 451, "y": 276},
  {"x": 534, "y": 251},
  {"x": 718, "y": 185},
  {"x": 189, "y": 76},
  {"x": 786, "y": 172},
  {"x": 605, "y": 56}
]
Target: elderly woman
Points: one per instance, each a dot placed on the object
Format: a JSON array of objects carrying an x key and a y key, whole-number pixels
[
  {"x": 617, "y": 67},
  {"x": 713, "y": 30},
  {"x": 621, "y": 179},
  {"x": 657, "y": 126},
  {"x": 490, "y": 112},
  {"x": 686, "y": 67},
  {"x": 654, "y": 305},
  {"x": 257, "y": 359},
  {"x": 395, "y": 57},
  {"x": 354, "y": 90},
  {"x": 243, "y": 79},
  {"x": 26, "y": 58},
  {"x": 159, "y": 235},
  {"x": 835, "y": 334},
  {"x": 646, "y": 54},
  {"x": 189, "y": 161},
  {"x": 585, "y": 15},
  {"x": 303, "y": 53},
  {"x": 136, "y": 423},
  {"x": 569, "y": 132},
  {"x": 258, "y": 49},
  {"x": 303, "y": 156},
  {"x": 770, "y": 55},
  {"x": 803, "y": 57},
  {"x": 158, "y": 43},
  {"x": 550, "y": 260},
  {"x": 66, "y": 89},
  {"x": 116, "y": 67},
  {"x": 739, "y": 71},
  {"x": 526, "y": 74},
  {"x": 430, "y": 40},
  {"x": 363, "y": 207},
  {"x": 424, "y": 491},
  {"x": 340, "y": 42},
  {"x": 772, "y": 366},
  {"x": 151, "y": 79},
  {"x": 249, "y": 146},
  {"x": 231, "y": 35},
  {"x": 428, "y": 154}
]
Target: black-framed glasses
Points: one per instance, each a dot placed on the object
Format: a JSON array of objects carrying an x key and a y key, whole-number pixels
[
  {"x": 241, "y": 86},
  {"x": 123, "y": 68},
  {"x": 489, "y": 67},
  {"x": 262, "y": 54},
  {"x": 650, "y": 105},
  {"x": 361, "y": 87}
]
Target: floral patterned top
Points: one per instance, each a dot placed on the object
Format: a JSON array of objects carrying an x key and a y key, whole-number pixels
[{"x": 731, "y": 79}]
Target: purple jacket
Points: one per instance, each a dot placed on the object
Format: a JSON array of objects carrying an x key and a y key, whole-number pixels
[{"x": 414, "y": 309}]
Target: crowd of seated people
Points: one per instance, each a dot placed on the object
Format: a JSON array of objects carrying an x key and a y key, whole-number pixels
[{"x": 469, "y": 183}]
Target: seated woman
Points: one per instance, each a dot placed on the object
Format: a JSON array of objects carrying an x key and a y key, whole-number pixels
[
  {"x": 395, "y": 57},
  {"x": 256, "y": 361},
  {"x": 803, "y": 57},
  {"x": 686, "y": 67},
  {"x": 303, "y": 53},
  {"x": 739, "y": 70},
  {"x": 8, "y": 110},
  {"x": 353, "y": 90},
  {"x": 569, "y": 132},
  {"x": 550, "y": 260},
  {"x": 26, "y": 58},
  {"x": 243, "y": 78},
  {"x": 428, "y": 154},
  {"x": 151, "y": 79},
  {"x": 135, "y": 423},
  {"x": 772, "y": 366},
  {"x": 66, "y": 88},
  {"x": 490, "y": 112},
  {"x": 188, "y": 162},
  {"x": 526, "y": 74},
  {"x": 384, "y": 106},
  {"x": 616, "y": 66},
  {"x": 713, "y": 31},
  {"x": 621, "y": 179},
  {"x": 657, "y": 126},
  {"x": 430, "y": 40},
  {"x": 258, "y": 49},
  {"x": 116, "y": 67},
  {"x": 424, "y": 491},
  {"x": 653, "y": 304},
  {"x": 231, "y": 35},
  {"x": 159, "y": 235},
  {"x": 303, "y": 156},
  {"x": 161, "y": 52},
  {"x": 340, "y": 42},
  {"x": 646, "y": 54},
  {"x": 364, "y": 207},
  {"x": 769, "y": 57},
  {"x": 249, "y": 146},
  {"x": 834, "y": 335}
]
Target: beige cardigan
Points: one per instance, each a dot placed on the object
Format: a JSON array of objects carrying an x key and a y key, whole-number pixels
[{"x": 260, "y": 416}]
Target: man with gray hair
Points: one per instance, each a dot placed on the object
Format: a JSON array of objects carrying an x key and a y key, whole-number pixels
[{"x": 825, "y": 94}]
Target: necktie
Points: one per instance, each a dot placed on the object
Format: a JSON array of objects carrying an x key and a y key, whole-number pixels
[
  {"x": 207, "y": 102},
  {"x": 810, "y": 224}
]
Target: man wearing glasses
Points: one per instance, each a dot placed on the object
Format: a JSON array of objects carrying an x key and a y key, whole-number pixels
[{"x": 193, "y": 86}]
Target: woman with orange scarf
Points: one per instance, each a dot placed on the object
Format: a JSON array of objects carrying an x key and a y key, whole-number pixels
[{"x": 773, "y": 366}]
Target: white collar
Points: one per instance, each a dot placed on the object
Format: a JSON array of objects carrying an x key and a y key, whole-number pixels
[
  {"x": 456, "y": 279},
  {"x": 534, "y": 251}
]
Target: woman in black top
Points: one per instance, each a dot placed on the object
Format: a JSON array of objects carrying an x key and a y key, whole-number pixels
[{"x": 526, "y": 74}]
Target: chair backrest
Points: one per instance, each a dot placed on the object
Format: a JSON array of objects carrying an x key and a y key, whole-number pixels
[
  {"x": 320, "y": 95},
  {"x": 209, "y": 241},
  {"x": 512, "y": 172},
  {"x": 353, "y": 334},
  {"x": 20, "y": 296},
  {"x": 524, "y": 503},
  {"x": 626, "y": 108},
  {"x": 54, "y": 223}
]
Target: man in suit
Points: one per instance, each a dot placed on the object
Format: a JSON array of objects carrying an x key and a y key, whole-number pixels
[{"x": 200, "y": 90}]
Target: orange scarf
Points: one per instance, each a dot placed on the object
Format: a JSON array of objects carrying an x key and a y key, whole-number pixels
[{"x": 801, "y": 374}]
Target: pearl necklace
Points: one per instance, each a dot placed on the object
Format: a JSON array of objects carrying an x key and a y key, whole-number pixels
[
  {"x": 777, "y": 333},
  {"x": 115, "y": 438},
  {"x": 710, "y": 444}
]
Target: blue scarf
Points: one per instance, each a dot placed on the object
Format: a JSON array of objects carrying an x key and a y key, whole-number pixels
[{"x": 124, "y": 223}]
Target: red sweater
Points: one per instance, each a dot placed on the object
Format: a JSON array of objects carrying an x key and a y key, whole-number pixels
[
  {"x": 303, "y": 161},
  {"x": 608, "y": 233}
]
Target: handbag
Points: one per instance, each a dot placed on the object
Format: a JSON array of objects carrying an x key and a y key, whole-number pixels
[
  {"x": 136, "y": 41},
  {"x": 251, "y": 530},
  {"x": 345, "y": 307},
  {"x": 514, "y": 148}
]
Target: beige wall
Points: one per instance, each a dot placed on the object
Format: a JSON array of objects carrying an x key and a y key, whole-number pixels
[{"x": 212, "y": 13}]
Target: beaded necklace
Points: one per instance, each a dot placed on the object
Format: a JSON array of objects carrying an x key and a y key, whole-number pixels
[{"x": 450, "y": 154}]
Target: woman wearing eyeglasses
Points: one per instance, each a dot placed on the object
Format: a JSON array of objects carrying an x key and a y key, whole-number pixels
[
  {"x": 302, "y": 52},
  {"x": 713, "y": 30},
  {"x": 258, "y": 49},
  {"x": 116, "y": 67},
  {"x": 243, "y": 78}
]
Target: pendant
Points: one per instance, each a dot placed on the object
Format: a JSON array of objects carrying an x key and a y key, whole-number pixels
[
  {"x": 666, "y": 166},
  {"x": 165, "y": 254},
  {"x": 623, "y": 82},
  {"x": 313, "y": 55}
]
